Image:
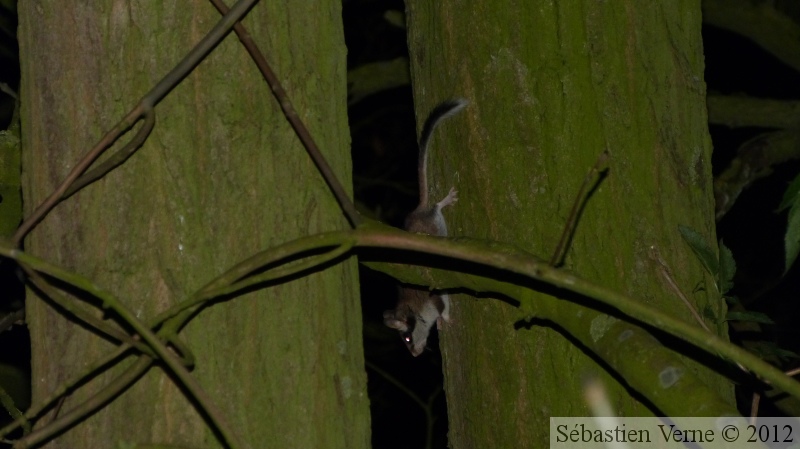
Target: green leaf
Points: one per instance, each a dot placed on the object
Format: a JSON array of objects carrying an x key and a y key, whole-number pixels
[
  {"x": 790, "y": 195},
  {"x": 767, "y": 350},
  {"x": 754, "y": 317},
  {"x": 395, "y": 17},
  {"x": 785, "y": 354},
  {"x": 10, "y": 6},
  {"x": 371, "y": 78},
  {"x": 792, "y": 238},
  {"x": 727, "y": 268},
  {"x": 701, "y": 249}
]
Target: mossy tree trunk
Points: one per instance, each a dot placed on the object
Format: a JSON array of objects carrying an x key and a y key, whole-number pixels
[
  {"x": 552, "y": 85},
  {"x": 221, "y": 177}
]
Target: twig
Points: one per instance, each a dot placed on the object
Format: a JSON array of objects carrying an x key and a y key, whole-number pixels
[
  {"x": 236, "y": 279},
  {"x": 299, "y": 127},
  {"x": 75, "y": 182},
  {"x": 427, "y": 407},
  {"x": 143, "y": 109},
  {"x": 667, "y": 275},
  {"x": 754, "y": 403},
  {"x": 65, "y": 388},
  {"x": 175, "y": 366},
  {"x": 739, "y": 111},
  {"x": 224, "y": 284},
  {"x": 8, "y": 90},
  {"x": 116, "y": 159},
  {"x": 569, "y": 227},
  {"x": 8, "y": 404},
  {"x": 55, "y": 197},
  {"x": 91, "y": 405},
  {"x": 85, "y": 316},
  {"x": 513, "y": 260},
  {"x": 756, "y": 399},
  {"x": 12, "y": 318},
  {"x": 762, "y": 22}
]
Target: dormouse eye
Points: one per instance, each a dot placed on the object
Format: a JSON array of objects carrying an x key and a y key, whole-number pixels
[{"x": 407, "y": 337}]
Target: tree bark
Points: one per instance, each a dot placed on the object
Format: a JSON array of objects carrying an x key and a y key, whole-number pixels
[
  {"x": 552, "y": 85},
  {"x": 221, "y": 177}
]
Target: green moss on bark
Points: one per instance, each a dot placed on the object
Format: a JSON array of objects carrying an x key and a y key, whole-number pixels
[
  {"x": 221, "y": 177},
  {"x": 552, "y": 85}
]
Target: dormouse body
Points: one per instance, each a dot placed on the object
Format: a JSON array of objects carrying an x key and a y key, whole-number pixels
[{"x": 417, "y": 310}]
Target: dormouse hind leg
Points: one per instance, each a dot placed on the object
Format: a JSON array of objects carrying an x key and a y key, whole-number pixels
[
  {"x": 451, "y": 198},
  {"x": 437, "y": 218},
  {"x": 445, "y": 315}
]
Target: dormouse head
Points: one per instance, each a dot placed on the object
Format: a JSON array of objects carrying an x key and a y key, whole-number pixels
[{"x": 413, "y": 331}]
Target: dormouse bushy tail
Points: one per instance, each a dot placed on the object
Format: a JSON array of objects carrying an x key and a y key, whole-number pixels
[{"x": 444, "y": 110}]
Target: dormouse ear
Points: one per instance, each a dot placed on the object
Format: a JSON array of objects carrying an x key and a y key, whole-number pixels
[{"x": 394, "y": 323}]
